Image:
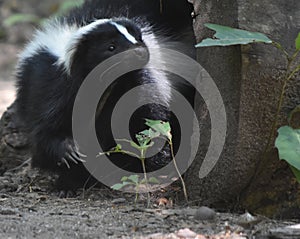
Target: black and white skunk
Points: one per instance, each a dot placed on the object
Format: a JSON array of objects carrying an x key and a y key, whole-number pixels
[{"x": 62, "y": 53}]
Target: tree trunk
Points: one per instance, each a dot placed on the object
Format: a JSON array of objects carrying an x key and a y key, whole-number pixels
[{"x": 250, "y": 80}]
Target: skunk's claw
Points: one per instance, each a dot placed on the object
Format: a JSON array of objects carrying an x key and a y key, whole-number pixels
[{"x": 72, "y": 154}]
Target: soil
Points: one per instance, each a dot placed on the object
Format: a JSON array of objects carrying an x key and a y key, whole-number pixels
[{"x": 30, "y": 206}]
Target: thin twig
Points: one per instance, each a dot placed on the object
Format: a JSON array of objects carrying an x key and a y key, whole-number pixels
[
  {"x": 279, "y": 47},
  {"x": 119, "y": 151},
  {"x": 177, "y": 170},
  {"x": 143, "y": 158}
]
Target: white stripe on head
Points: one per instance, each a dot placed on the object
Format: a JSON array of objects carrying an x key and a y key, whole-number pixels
[
  {"x": 88, "y": 28},
  {"x": 125, "y": 32}
]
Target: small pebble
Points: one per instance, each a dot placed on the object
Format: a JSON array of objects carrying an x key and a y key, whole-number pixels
[
  {"x": 85, "y": 215},
  {"x": 247, "y": 220},
  {"x": 205, "y": 213},
  {"x": 8, "y": 211}
]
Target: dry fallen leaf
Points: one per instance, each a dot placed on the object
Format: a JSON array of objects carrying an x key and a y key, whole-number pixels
[
  {"x": 164, "y": 202},
  {"x": 186, "y": 233}
]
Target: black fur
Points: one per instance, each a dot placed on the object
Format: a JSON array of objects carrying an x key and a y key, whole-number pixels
[{"x": 46, "y": 89}]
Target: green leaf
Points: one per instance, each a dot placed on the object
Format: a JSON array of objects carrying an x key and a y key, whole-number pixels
[
  {"x": 20, "y": 18},
  {"x": 151, "y": 123},
  {"x": 118, "y": 147},
  {"x": 297, "y": 42},
  {"x": 288, "y": 144},
  {"x": 123, "y": 179},
  {"x": 142, "y": 139},
  {"x": 134, "y": 178},
  {"x": 162, "y": 127},
  {"x": 134, "y": 145},
  {"x": 296, "y": 173},
  {"x": 226, "y": 36},
  {"x": 149, "y": 133},
  {"x": 117, "y": 186},
  {"x": 143, "y": 181},
  {"x": 153, "y": 180}
]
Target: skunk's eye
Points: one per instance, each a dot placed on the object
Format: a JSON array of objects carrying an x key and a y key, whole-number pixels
[{"x": 111, "y": 47}]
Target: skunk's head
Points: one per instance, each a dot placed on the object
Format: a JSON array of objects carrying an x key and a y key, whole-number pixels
[
  {"x": 79, "y": 49},
  {"x": 92, "y": 44}
]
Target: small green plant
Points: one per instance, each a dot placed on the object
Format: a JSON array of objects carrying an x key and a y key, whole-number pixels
[
  {"x": 287, "y": 141},
  {"x": 157, "y": 129},
  {"x": 135, "y": 181},
  {"x": 164, "y": 130},
  {"x": 288, "y": 144}
]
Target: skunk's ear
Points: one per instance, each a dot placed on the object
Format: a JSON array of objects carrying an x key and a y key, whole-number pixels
[{"x": 77, "y": 37}]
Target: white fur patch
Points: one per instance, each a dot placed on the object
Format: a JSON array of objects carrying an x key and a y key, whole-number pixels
[
  {"x": 52, "y": 37},
  {"x": 125, "y": 32},
  {"x": 160, "y": 77}
]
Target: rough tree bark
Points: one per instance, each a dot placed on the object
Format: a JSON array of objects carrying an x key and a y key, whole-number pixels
[
  {"x": 224, "y": 66},
  {"x": 249, "y": 79},
  {"x": 272, "y": 189}
]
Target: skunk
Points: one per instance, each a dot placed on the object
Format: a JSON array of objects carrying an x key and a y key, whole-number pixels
[{"x": 66, "y": 49}]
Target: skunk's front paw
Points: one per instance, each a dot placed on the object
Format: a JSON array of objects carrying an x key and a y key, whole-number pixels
[{"x": 71, "y": 154}]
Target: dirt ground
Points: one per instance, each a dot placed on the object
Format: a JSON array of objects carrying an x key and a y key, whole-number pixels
[{"x": 30, "y": 207}]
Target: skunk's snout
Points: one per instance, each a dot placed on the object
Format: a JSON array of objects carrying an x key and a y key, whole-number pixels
[
  {"x": 142, "y": 53},
  {"x": 138, "y": 56}
]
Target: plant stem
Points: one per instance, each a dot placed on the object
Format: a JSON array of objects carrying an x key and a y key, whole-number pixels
[
  {"x": 136, "y": 193},
  {"x": 177, "y": 170},
  {"x": 279, "y": 47},
  {"x": 119, "y": 151},
  {"x": 294, "y": 55},
  {"x": 288, "y": 76},
  {"x": 279, "y": 105},
  {"x": 143, "y": 165},
  {"x": 143, "y": 158}
]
